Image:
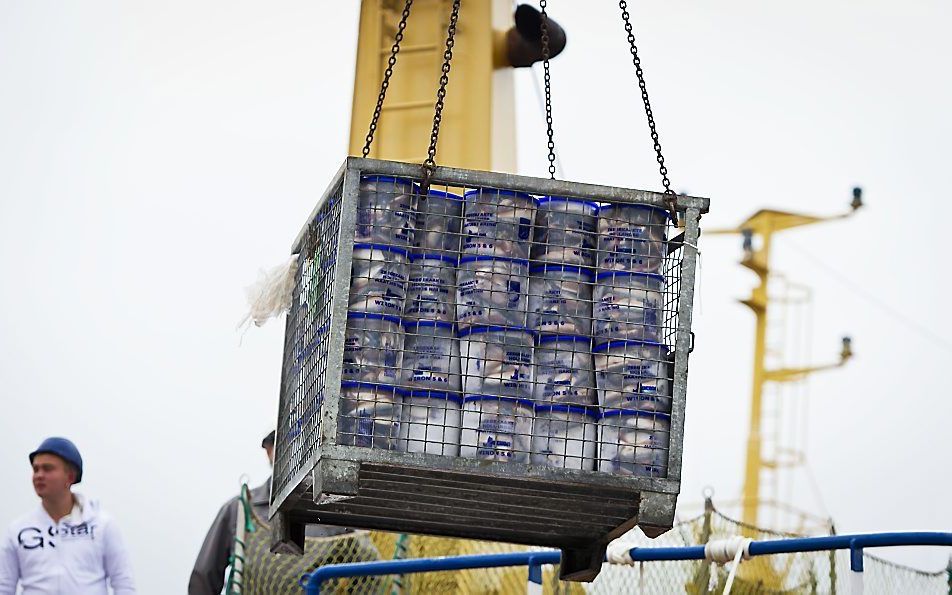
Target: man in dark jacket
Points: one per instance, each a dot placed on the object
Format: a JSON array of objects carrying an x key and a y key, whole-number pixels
[{"x": 208, "y": 574}]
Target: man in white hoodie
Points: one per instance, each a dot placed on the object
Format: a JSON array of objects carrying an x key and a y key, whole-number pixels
[{"x": 67, "y": 545}]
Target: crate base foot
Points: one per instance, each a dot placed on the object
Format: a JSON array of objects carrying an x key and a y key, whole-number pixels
[
  {"x": 287, "y": 536},
  {"x": 582, "y": 565},
  {"x": 656, "y": 513}
]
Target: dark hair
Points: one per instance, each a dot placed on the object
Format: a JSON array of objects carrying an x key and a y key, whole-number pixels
[{"x": 268, "y": 441}]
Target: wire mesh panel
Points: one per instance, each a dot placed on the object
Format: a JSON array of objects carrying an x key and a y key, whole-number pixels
[
  {"x": 516, "y": 345},
  {"x": 307, "y": 345}
]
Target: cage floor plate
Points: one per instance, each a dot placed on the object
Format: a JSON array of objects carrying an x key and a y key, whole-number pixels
[{"x": 437, "y": 502}]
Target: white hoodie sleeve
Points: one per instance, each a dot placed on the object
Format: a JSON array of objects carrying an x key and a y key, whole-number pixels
[
  {"x": 9, "y": 566},
  {"x": 116, "y": 562}
]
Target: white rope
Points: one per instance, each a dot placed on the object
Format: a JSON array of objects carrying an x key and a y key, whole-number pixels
[
  {"x": 733, "y": 549},
  {"x": 270, "y": 295},
  {"x": 723, "y": 551},
  {"x": 733, "y": 572},
  {"x": 619, "y": 553}
]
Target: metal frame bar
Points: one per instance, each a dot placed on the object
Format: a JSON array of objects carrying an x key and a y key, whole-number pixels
[
  {"x": 331, "y": 189},
  {"x": 855, "y": 543},
  {"x": 463, "y": 177},
  {"x": 507, "y": 469},
  {"x": 335, "y": 352},
  {"x": 683, "y": 341}
]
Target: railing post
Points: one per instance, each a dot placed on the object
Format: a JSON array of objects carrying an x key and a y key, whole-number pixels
[
  {"x": 856, "y": 568},
  {"x": 534, "y": 587},
  {"x": 311, "y": 584}
]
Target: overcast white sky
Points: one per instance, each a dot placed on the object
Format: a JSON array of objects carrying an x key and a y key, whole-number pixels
[{"x": 154, "y": 156}]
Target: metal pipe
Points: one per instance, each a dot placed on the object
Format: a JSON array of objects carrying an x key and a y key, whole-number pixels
[
  {"x": 312, "y": 582},
  {"x": 856, "y": 557},
  {"x": 660, "y": 554},
  {"x": 843, "y": 542},
  {"x": 855, "y": 543},
  {"x": 857, "y": 580}
]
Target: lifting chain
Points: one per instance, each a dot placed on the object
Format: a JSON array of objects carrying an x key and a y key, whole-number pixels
[
  {"x": 548, "y": 86},
  {"x": 670, "y": 196},
  {"x": 430, "y": 163},
  {"x": 385, "y": 84}
]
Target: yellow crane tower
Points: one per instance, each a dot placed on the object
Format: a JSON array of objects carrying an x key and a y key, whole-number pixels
[
  {"x": 757, "y": 232},
  {"x": 478, "y": 122}
]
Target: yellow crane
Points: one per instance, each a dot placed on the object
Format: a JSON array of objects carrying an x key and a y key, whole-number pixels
[
  {"x": 757, "y": 232},
  {"x": 478, "y": 124}
]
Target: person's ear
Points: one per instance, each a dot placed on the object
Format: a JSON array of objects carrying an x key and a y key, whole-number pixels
[{"x": 72, "y": 473}]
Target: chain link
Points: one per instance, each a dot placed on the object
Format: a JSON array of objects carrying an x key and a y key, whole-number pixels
[
  {"x": 385, "y": 84},
  {"x": 548, "y": 87},
  {"x": 670, "y": 196},
  {"x": 430, "y": 163}
]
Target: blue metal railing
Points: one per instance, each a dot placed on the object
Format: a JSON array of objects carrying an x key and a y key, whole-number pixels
[{"x": 855, "y": 543}]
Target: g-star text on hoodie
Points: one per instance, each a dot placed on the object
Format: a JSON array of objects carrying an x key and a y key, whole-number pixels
[{"x": 31, "y": 538}]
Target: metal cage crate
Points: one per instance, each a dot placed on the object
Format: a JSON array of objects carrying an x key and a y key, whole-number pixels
[{"x": 340, "y": 457}]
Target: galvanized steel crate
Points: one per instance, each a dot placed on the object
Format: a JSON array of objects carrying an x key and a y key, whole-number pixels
[{"x": 326, "y": 470}]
